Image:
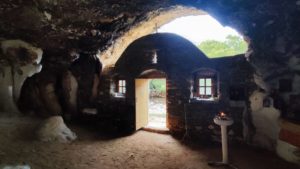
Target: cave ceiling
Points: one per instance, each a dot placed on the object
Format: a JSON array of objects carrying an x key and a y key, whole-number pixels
[{"x": 272, "y": 27}]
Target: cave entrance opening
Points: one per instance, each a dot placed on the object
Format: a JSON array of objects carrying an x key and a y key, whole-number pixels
[{"x": 208, "y": 35}]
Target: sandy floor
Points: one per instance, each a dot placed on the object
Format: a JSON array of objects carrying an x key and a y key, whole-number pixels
[{"x": 141, "y": 150}]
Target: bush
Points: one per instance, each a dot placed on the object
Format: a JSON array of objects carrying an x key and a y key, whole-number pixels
[{"x": 158, "y": 87}]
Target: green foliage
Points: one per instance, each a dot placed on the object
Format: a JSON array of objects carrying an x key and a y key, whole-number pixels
[
  {"x": 233, "y": 45},
  {"x": 158, "y": 85}
]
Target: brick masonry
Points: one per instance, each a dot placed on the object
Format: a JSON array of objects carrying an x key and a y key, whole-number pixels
[{"x": 178, "y": 59}]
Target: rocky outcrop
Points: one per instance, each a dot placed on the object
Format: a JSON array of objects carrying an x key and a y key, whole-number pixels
[
  {"x": 19, "y": 61},
  {"x": 39, "y": 96},
  {"x": 265, "y": 119},
  {"x": 54, "y": 130},
  {"x": 288, "y": 152},
  {"x": 70, "y": 87}
]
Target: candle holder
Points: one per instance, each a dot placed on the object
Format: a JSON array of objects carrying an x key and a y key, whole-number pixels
[
  {"x": 222, "y": 116},
  {"x": 223, "y": 120}
]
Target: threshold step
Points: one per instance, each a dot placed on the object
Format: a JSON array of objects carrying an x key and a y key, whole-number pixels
[{"x": 161, "y": 130}]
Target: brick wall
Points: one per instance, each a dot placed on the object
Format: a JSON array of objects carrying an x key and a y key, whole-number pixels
[{"x": 178, "y": 59}]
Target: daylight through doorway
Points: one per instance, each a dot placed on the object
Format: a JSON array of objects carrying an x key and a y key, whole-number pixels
[{"x": 157, "y": 104}]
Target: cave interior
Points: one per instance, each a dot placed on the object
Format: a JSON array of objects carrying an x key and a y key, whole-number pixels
[{"x": 75, "y": 77}]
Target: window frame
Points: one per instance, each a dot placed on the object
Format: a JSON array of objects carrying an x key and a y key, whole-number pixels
[
  {"x": 121, "y": 84},
  {"x": 206, "y": 73},
  {"x": 205, "y": 86}
]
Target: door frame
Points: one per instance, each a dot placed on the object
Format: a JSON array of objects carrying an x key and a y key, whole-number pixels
[{"x": 141, "y": 102}]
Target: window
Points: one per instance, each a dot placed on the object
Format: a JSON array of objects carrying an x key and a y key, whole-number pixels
[
  {"x": 205, "y": 87},
  {"x": 122, "y": 86}
]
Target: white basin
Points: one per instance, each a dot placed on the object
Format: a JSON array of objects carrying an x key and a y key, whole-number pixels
[{"x": 223, "y": 122}]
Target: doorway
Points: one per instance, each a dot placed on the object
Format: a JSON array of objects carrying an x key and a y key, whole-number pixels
[
  {"x": 157, "y": 103},
  {"x": 151, "y": 103}
]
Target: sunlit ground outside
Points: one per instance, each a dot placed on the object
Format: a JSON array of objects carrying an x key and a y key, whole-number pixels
[
  {"x": 157, "y": 104},
  {"x": 157, "y": 113}
]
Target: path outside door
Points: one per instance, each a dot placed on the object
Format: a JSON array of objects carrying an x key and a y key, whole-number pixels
[{"x": 157, "y": 109}]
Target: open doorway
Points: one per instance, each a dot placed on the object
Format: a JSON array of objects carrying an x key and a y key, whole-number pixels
[
  {"x": 151, "y": 103},
  {"x": 157, "y": 103}
]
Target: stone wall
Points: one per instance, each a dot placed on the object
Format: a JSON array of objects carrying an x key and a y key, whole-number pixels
[
  {"x": 177, "y": 66},
  {"x": 235, "y": 86},
  {"x": 178, "y": 59}
]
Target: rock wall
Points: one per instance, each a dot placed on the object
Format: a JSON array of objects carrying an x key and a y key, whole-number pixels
[
  {"x": 274, "y": 41},
  {"x": 60, "y": 27},
  {"x": 7, "y": 101},
  {"x": 19, "y": 61},
  {"x": 54, "y": 129},
  {"x": 265, "y": 120}
]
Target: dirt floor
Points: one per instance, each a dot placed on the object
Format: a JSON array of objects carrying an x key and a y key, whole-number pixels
[{"x": 141, "y": 150}]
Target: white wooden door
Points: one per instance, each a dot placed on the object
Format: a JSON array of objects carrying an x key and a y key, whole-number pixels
[{"x": 141, "y": 102}]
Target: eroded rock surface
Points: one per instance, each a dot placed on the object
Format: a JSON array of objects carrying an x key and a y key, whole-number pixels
[
  {"x": 54, "y": 130},
  {"x": 19, "y": 61},
  {"x": 108, "y": 27},
  {"x": 265, "y": 120}
]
